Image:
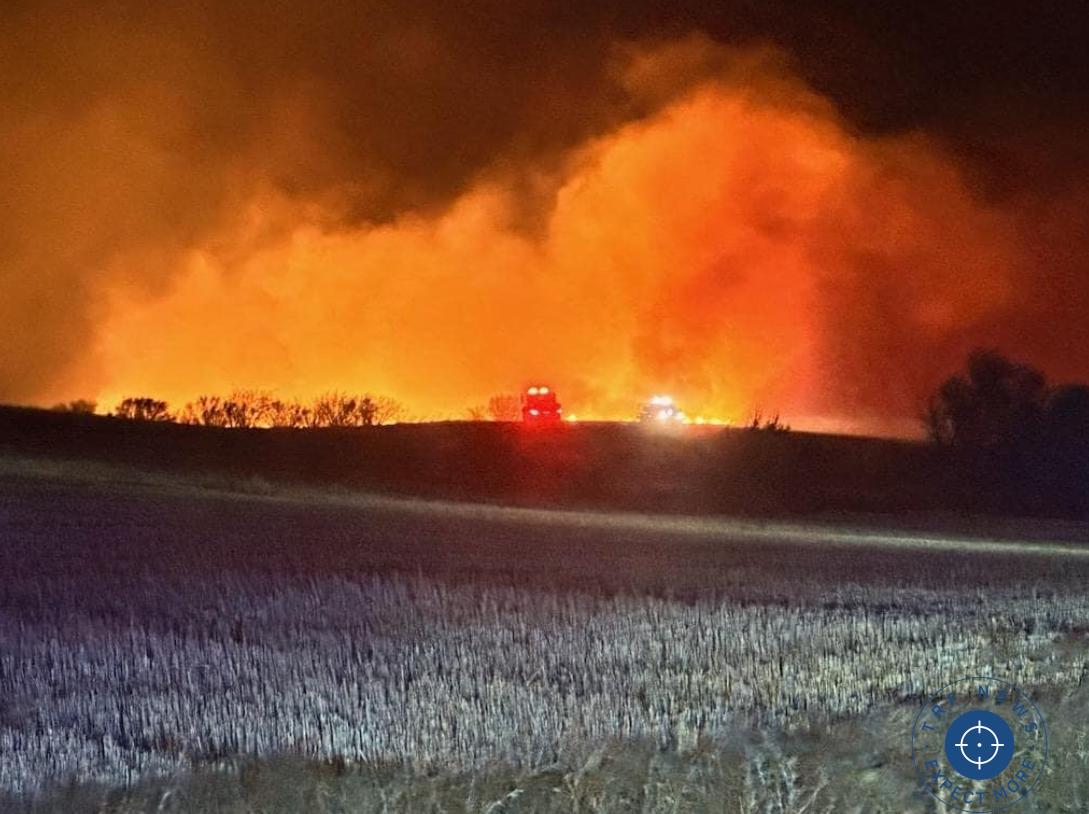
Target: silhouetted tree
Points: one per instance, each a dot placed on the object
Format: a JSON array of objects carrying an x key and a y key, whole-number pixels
[
  {"x": 505, "y": 407},
  {"x": 76, "y": 406},
  {"x": 1024, "y": 443},
  {"x": 478, "y": 412},
  {"x": 996, "y": 403},
  {"x": 143, "y": 409}
]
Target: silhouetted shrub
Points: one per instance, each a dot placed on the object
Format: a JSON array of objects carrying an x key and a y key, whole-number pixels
[
  {"x": 387, "y": 410},
  {"x": 85, "y": 406},
  {"x": 205, "y": 411},
  {"x": 773, "y": 424},
  {"x": 143, "y": 409},
  {"x": 505, "y": 407},
  {"x": 242, "y": 408},
  {"x": 288, "y": 414},
  {"x": 336, "y": 409}
]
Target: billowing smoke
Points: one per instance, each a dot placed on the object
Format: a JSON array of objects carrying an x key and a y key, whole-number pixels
[{"x": 199, "y": 204}]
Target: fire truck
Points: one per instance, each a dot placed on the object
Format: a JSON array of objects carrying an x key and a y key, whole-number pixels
[
  {"x": 661, "y": 410},
  {"x": 540, "y": 407}
]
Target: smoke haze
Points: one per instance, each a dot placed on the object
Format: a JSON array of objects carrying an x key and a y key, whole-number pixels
[{"x": 437, "y": 208}]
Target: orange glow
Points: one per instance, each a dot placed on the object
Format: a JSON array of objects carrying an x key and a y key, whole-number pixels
[{"x": 739, "y": 248}]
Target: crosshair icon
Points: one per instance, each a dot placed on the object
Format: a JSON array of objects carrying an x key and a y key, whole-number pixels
[{"x": 979, "y": 744}]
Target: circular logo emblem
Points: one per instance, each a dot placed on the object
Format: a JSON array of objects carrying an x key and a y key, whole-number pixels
[{"x": 979, "y": 744}]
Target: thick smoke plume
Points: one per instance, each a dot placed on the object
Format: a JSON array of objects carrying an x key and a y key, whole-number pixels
[{"x": 198, "y": 204}]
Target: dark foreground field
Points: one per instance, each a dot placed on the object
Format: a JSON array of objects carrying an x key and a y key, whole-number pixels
[
  {"x": 205, "y": 645},
  {"x": 694, "y": 470}
]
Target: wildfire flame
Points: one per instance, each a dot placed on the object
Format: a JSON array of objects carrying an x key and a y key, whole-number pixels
[{"x": 739, "y": 245}]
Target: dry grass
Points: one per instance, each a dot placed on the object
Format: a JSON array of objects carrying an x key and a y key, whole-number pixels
[
  {"x": 381, "y": 670},
  {"x": 857, "y": 766},
  {"x": 171, "y": 649}
]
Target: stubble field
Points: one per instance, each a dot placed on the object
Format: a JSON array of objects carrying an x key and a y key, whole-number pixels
[{"x": 170, "y": 645}]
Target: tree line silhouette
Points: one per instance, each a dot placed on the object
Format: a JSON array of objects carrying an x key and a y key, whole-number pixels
[
  {"x": 259, "y": 408},
  {"x": 996, "y": 407},
  {"x": 1003, "y": 439}
]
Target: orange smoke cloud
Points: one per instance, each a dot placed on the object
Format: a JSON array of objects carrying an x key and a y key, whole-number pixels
[{"x": 739, "y": 248}]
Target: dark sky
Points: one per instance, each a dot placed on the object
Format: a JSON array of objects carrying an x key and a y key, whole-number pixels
[{"x": 137, "y": 133}]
